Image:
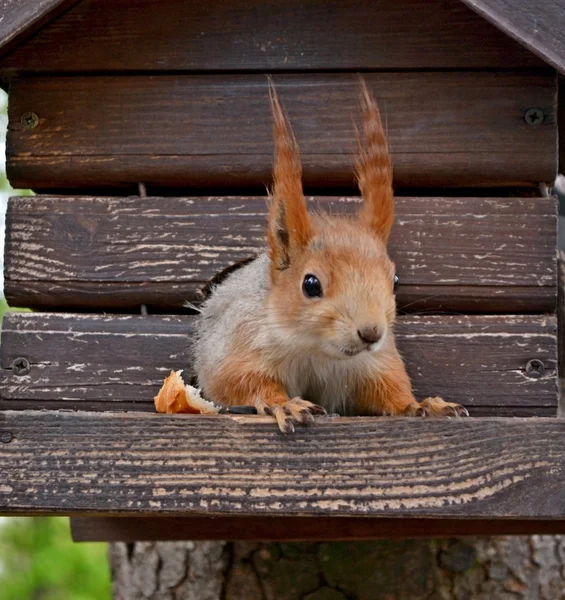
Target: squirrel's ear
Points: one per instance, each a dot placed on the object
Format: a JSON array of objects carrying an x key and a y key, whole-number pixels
[
  {"x": 374, "y": 169},
  {"x": 289, "y": 225}
]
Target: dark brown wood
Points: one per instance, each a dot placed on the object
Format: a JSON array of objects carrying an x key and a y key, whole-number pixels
[
  {"x": 133, "y": 529},
  {"x": 142, "y": 35},
  {"x": 561, "y": 121},
  {"x": 536, "y": 25},
  {"x": 452, "y": 254},
  {"x": 466, "y": 129},
  {"x": 110, "y": 464},
  {"x": 90, "y": 362},
  {"x": 20, "y": 18},
  {"x": 561, "y": 330},
  {"x": 170, "y": 296}
]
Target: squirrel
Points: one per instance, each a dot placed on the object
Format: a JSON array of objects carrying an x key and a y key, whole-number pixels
[{"x": 307, "y": 326}]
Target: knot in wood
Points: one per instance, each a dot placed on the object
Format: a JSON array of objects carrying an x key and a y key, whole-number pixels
[
  {"x": 21, "y": 366},
  {"x": 535, "y": 368},
  {"x": 6, "y": 437}
]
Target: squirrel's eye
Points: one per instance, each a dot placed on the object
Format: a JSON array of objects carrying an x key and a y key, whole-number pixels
[
  {"x": 395, "y": 284},
  {"x": 311, "y": 286}
]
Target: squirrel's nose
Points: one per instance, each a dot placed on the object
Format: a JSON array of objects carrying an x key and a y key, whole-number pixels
[{"x": 370, "y": 335}]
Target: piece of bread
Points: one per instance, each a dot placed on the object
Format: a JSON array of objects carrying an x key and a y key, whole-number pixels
[{"x": 176, "y": 397}]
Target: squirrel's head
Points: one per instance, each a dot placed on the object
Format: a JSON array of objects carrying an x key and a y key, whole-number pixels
[{"x": 332, "y": 282}]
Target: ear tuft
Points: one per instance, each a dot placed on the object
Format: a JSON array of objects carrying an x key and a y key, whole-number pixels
[
  {"x": 374, "y": 169},
  {"x": 281, "y": 237},
  {"x": 289, "y": 226}
]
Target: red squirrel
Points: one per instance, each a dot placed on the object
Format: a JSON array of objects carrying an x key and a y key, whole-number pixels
[{"x": 307, "y": 326}]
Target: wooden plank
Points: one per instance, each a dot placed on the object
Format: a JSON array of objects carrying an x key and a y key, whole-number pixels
[
  {"x": 536, "y": 25},
  {"x": 150, "y": 35},
  {"x": 214, "y": 131},
  {"x": 561, "y": 330},
  {"x": 273, "y": 528},
  {"x": 20, "y": 18},
  {"x": 112, "y": 464},
  {"x": 561, "y": 121},
  {"x": 95, "y": 362},
  {"x": 170, "y": 296},
  {"x": 452, "y": 254}
]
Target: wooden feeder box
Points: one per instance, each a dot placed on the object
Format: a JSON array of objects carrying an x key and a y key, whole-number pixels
[{"x": 144, "y": 128}]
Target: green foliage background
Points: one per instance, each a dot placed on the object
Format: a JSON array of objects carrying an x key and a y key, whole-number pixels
[{"x": 38, "y": 559}]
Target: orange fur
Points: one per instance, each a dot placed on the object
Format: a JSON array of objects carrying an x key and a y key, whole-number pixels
[
  {"x": 374, "y": 169},
  {"x": 239, "y": 380},
  {"x": 388, "y": 395},
  {"x": 278, "y": 348},
  {"x": 359, "y": 283},
  {"x": 289, "y": 225}
]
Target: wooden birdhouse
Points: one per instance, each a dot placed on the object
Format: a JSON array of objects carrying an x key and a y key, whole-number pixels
[{"x": 144, "y": 129}]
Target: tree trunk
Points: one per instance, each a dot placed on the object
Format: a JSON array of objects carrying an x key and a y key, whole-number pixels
[{"x": 513, "y": 568}]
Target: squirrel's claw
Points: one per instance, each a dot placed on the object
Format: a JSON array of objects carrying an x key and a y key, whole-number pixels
[
  {"x": 284, "y": 420},
  {"x": 458, "y": 410},
  {"x": 289, "y": 412},
  {"x": 436, "y": 407}
]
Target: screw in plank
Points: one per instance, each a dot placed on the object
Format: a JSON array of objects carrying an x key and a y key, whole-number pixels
[
  {"x": 6, "y": 437},
  {"x": 21, "y": 366},
  {"x": 535, "y": 368},
  {"x": 30, "y": 120},
  {"x": 534, "y": 116}
]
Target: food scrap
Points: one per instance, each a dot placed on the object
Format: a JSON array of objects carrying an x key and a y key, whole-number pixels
[{"x": 177, "y": 397}]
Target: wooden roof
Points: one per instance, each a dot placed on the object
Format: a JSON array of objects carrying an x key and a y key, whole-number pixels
[
  {"x": 537, "y": 25},
  {"x": 20, "y": 18}
]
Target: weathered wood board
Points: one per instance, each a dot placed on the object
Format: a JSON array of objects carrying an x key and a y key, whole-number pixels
[
  {"x": 561, "y": 120},
  {"x": 104, "y": 35},
  {"x": 273, "y": 528},
  {"x": 20, "y": 18},
  {"x": 451, "y": 254},
  {"x": 561, "y": 330},
  {"x": 96, "y": 362},
  {"x": 536, "y": 25},
  {"x": 214, "y": 131},
  {"x": 123, "y": 463}
]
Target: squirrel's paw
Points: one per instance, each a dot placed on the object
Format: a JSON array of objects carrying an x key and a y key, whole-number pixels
[
  {"x": 436, "y": 407},
  {"x": 289, "y": 412}
]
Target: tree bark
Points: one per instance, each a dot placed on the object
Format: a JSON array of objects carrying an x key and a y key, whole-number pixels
[
  {"x": 168, "y": 570},
  {"x": 506, "y": 568}
]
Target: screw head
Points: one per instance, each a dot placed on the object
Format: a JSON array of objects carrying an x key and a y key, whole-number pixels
[
  {"x": 534, "y": 116},
  {"x": 6, "y": 437},
  {"x": 535, "y": 368},
  {"x": 30, "y": 120},
  {"x": 21, "y": 366}
]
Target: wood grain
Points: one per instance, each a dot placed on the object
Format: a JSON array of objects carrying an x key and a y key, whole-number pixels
[
  {"x": 466, "y": 129},
  {"x": 142, "y": 35},
  {"x": 112, "y": 464},
  {"x": 273, "y": 528},
  {"x": 21, "y": 18},
  {"x": 561, "y": 329},
  {"x": 452, "y": 254},
  {"x": 536, "y": 25},
  {"x": 95, "y": 362},
  {"x": 561, "y": 121}
]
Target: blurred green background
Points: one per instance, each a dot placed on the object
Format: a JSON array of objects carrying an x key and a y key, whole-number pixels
[{"x": 38, "y": 559}]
